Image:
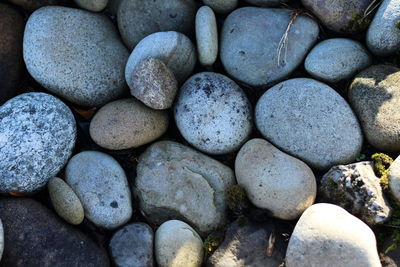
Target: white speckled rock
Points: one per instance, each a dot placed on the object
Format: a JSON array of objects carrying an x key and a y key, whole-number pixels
[
  {"x": 394, "y": 178},
  {"x": 101, "y": 185},
  {"x": 221, "y": 6},
  {"x": 327, "y": 235},
  {"x": 176, "y": 182},
  {"x": 178, "y": 245},
  {"x": 92, "y": 5},
  {"x": 37, "y": 136},
  {"x": 310, "y": 121},
  {"x": 274, "y": 180},
  {"x": 337, "y": 59},
  {"x": 206, "y": 36},
  {"x": 173, "y": 48},
  {"x": 383, "y": 35},
  {"x": 250, "y": 50},
  {"x": 213, "y": 113},
  {"x": 75, "y": 54},
  {"x": 140, "y": 18}
]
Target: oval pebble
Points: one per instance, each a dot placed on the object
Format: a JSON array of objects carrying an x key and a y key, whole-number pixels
[
  {"x": 206, "y": 36},
  {"x": 92, "y": 5}
]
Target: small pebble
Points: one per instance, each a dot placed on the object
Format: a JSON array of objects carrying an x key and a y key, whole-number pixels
[
  {"x": 92, "y": 5},
  {"x": 206, "y": 36}
]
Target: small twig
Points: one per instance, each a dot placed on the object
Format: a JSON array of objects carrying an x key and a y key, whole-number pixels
[
  {"x": 283, "y": 43},
  {"x": 271, "y": 244},
  {"x": 391, "y": 226},
  {"x": 371, "y": 7}
]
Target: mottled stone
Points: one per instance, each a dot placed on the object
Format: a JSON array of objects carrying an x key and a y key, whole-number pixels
[
  {"x": 92, "y": 5},
  {"x": 206, "y": 36}
]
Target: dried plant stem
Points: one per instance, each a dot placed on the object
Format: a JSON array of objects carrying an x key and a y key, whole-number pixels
[
  {"x": 371, "y": 7},
  {"x": 283, "y": 43}
]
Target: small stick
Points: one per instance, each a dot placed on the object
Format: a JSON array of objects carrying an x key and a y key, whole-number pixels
[{"x": 271, "y": 244}]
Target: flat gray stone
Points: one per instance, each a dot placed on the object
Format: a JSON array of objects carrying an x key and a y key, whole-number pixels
[
  {"x": 221, "y": 6},
  {"x": 319, "y": 126},
  {"x": 101, "y": 185},
  {"x": 213, "y": 113},
  {"x": 75, "y": 54},
  {"x": 37, "y": 136},
  {"x": 206, "y": 36}
]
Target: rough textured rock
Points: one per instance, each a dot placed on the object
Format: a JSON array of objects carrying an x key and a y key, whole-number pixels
[
  {"x": 343, "y": 16},
  {"x": 178, "y": 245},
  {"x": 394, "y": 178},
  {"x": 320, "y": 127},
  {"x": 247, "y": 245},
  {"x": 176, "y": 182},
  {"x": 274, "y": 180},
  {"x": 336, "y": 59},
  {"x": 11, "y": 63},
  {"x": 206, "y": 36},
  {"x": 213, "y": 113},
  {"x": 132, "y": 246},
  {"x": 37, "y": 136},
  {"x": 127, "y": 123},
  {"x": 92, "y": 5},
  {"x": 375, "y": 97},
  {"x": 101, "y": 185},
  {"x": 75, "y": 54},
  {"x": 154, "y": 16},
  {"x": 65, "y": 202},
  {"x": 267, "y": 3},
  {"x": 327, "y": 235},
  {"x": 355, "y": 188},
  {"x": 221, "y": 6},
  {"x": 173, "y": 48},
  {"x": 35, "y": 237},
  {"x": 31, "y": 5},
  {"x": 153, "y": 83},
  {"x": 383, "y": 35},
  {"x": 254, "y": 54}
]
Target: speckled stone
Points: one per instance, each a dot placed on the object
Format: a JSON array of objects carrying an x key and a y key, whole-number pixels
[
  {"x": 37, "y": 136},
  {"x": 153, "y": 83},
  {"x": 127, "y": 123},
  {"x": 213, "y": 113},
  {"x": 148, "y": 17},
  {"x": 221, "y": 6},
  {"x": 101, "y": 185},
  {"x": 32, "y": 5},
  {"x": 65, "y": 201},
  {"x": 75, "y": 54},
  {"x": 11, "y": 33},
  {"x": 92, "y": 5},
  {"x": 206, "y": 36}
]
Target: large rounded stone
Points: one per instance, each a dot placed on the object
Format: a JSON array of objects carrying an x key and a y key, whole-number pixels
[
  {"x": 336, "y": 59},
  {"x": 32, "y": 5},
  {"x": 213, "y": 113},
  {"x": 178, "y": 245},
  {"x": 75, "y": 54},
  {"x": 173, "y": 48},
  {"x": 101, "y": 185},
  {"x": 11, "y": 63},
  {"x": 176, "y": 182},
  {"x": 274, "y": 180},
  {"x": 254, "y": 54},
  {"x": 138, "y": 19},
  {"x": 221, "y": 6},
  {"x": 327, "y": 235},
  {"x": 37, "y": 136},
  {"x": 375, "y": 97},
  {"x": 206, "y": 36},
  {"x": 127, "y": 123},
  {"x": 310, "y": 121},
  {"x": 35, "y": 237},
  {"x": 383, "y": 36}
]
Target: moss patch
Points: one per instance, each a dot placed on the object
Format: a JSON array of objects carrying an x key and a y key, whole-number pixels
[
  {"x": 381, "y": 167},
  {"x": 237, "y": 200},
  {"x": 358, "y": 23}
]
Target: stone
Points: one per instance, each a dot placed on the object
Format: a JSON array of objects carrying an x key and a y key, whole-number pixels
[
  {"x": 32, "y": 5},
  {"x": 246, "y": 245},
  {"x": 213, "y": 113},
  {"x": 113, "y": 5},
  {"x": 127, "y": 123},
  {"x": 178, "y": 245},
  {"x": 374, "y": 96},
  {"x": 254, "y": 54},
  {"x": 1, "y": 239},
  {"x": 65, "y": 202},
  {"x": 327, "y": 235},
  {"x": 173, "y": 48},
  {"x": 394, "y": 178},
  {"x": 267, "y": 3},
  {"x": 274, "y": 180},
  {"x": 221, "y": 6},
  {"x": 75, "y": 54},
  {"x": 132, "y": 246},
  {"x": 92, "y": 5},
  {"x": 383, "y": 35},
  {"x": 154, "y": 16},
  {"x": 176, "y": 182},
  {"x": 101, "y": 184},
  {"x": 37, "y": 136},
  {"x": 36, "y": 237},
  {"x": 206, "y": 36},
  {"x": 11, "y": 63},
  {"x": 342, "y": 16},
  {"x": 337, "y": 59},
  {"x": 355, "y": 188},
  {"x": 319, "y": 126},
  {"x": 153, "y": 83}
]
